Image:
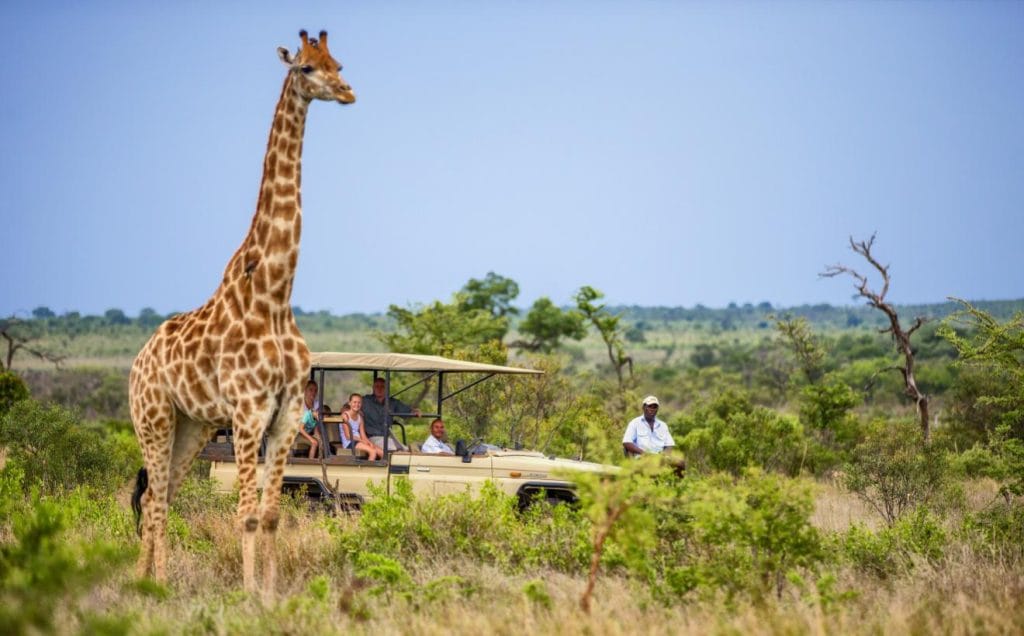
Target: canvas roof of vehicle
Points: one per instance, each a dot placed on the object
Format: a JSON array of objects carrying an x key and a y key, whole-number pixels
[{"x": 407, "y": 362}]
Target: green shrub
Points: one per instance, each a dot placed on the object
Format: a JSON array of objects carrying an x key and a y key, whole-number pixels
[
  {"x": 746, "y": 536},
  {"x": 42, "y": 566},
  {"x": 892, "y": 551},
  {"x": 487, "y": 527},
  {"x": 894, "y": 471},
  {"x": 730, "y": 433},
  {"x": 12, "y": 389},
  {"x": 58, "y": 453}
]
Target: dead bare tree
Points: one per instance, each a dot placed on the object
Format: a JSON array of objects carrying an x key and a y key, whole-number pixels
[
  {"x": 17, "y": 340},
  {"x": 900, "y": 336}
]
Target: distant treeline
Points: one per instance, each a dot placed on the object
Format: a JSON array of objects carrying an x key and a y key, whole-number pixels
[{"x": 734, "y": 316}]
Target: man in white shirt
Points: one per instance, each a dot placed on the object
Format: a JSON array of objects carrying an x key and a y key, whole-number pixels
[
  {"x": 647, "y": 434},
  {"x": 434, "y": 444}
]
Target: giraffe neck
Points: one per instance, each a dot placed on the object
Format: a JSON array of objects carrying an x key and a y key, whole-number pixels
[{"x": 263, "y": 268}]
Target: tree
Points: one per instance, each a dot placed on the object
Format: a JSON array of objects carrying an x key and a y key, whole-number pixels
[
  {"x": 442, "y": 328},
  {"x": 797, "y": 334},
  {"x": 20, "y": 336},
  {"x": 900, "y": 336},
  {"x": 607, "y": 326},
  {"x": 546, "y": 324},
  {"x": 996, "y": 350},
  {"x": 43, "y": 312},
  {"x": 494, "y": 294}
]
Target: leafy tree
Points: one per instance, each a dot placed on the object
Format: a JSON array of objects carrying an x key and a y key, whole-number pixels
[
  {"x": 494, "y": 294},
  {"x": 442, "y": 328},
  {"x": 607, "y": 325},
  {"x": 43, "y": 312},
  {"x": 58, "y": 453},
  {"x": 806, "y": 347},
  {"x": 149, "y": 319},
  {"x": 547, "y": 325},
  {"x": 116, "y": 317},
  {"x": 893, "y": 472},
  {"x": 996, "y": 350}
]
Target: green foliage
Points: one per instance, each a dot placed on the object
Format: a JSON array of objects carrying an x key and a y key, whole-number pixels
[
  {"x": 58, "y": 453},
  {"x": 729, "y": 433},
  {"x": 746, "y": 536},
  {"x": 826, "y": 412},
  {"x": 494, "y": 294},
  {"x": 43, "y": 567},
  {"x": 607, "y": 325},
  {"x": 536, "y": 591},
  {"x": 487, "y": 528},
  {"x": 388, "y": 574},
  {"x": 997, "y": 348},
  {"x": 895, "y": 472},
  {"x": 12, "y": 389},
  {"x": 442, "y": 329},
  {"x": 547, "y": 325},
  {"x": 805, "y": 346},
  {"x": 894, "y": 550}
]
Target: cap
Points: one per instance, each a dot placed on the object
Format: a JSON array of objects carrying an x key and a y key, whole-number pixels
[{"x": 650, "y": 399}]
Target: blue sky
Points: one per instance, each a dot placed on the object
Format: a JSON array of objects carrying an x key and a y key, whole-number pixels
[{"x": 666, "y": 153}]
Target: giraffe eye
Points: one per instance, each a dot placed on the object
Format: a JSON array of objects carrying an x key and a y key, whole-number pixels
[{"x": 307, "y": 69}]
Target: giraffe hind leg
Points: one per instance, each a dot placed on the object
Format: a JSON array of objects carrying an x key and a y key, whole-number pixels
[
  {"x": 189, "y": 439},
  {"x": 154, "y": 428}
]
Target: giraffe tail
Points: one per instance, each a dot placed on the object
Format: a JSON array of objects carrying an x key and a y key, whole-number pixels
[{"x": 141, "y": 483}]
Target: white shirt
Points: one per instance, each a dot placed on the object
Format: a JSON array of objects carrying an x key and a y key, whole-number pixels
[
  {"x": 435, "y": 446},
  {"x": 640, "y": 433}
]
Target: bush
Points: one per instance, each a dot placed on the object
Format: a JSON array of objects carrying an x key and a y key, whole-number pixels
[
  {"x": 892, "y": 551},
  {"x": 486, "y": 527},
  {"x": 42, "y": 567},
  {"x": 55, "y": 451},
  {"x": 745, "y": 536},
  {"x": 12, "y": 389},
  {"x": 894, "y": 471},
  {"x": 730, "y": 434}
]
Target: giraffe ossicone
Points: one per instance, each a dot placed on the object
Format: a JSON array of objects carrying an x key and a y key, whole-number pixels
[{"x": 239, "y": 360}]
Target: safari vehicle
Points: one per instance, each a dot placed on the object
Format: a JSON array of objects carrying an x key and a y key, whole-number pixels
[{"x": 341, "y": 473}]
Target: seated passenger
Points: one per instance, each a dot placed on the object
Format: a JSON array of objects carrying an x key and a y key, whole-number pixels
[
  {"x": 353, "y": 431},
  {"x": 374, "y": 407},
  {"x": 435, "y": 444},
  {"x": 310, "y": 418}
]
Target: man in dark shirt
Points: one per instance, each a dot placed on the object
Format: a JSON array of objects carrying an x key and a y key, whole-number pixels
[{"x": 373, "y": 415}]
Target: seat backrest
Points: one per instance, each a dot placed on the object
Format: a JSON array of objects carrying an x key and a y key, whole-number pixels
[{"x": 415, "y": 447}]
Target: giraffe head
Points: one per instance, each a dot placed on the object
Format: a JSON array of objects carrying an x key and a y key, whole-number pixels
[{"x": 317, "y": 74}]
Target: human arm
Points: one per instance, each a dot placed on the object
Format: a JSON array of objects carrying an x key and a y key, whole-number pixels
[{"x": 629, "y": 440}]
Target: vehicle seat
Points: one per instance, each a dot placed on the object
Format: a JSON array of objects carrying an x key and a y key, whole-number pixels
[{"x": 415, "y": 447}]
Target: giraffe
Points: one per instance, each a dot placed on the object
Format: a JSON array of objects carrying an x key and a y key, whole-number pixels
[{"x": 239, "y": 360}]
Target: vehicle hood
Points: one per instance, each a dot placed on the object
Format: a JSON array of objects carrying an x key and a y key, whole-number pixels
[{"x": 537, "y": 463}]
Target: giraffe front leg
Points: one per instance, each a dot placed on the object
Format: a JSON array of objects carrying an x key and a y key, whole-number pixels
[
  {"x": 246, "y": 443},
  {"x": 280, "y": 435}
]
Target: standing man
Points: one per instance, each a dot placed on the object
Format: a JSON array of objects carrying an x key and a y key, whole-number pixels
[
  {"x": 647, "y": 434},
  {"x": 435, "y": 444},
  {"x": 373, "y": 415}
]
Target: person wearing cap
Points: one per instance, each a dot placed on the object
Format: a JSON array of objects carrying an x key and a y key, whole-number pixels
[{"x": 647, "y": 434}]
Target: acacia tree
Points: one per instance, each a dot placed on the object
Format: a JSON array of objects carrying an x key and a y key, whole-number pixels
[
  {"x": 607, "y": 326},
  {"x": 547, "y": 325},
  {"x": 900, "y": 336},
  {"x": 807, "y": 348},
  {"x": 19, "y": 336}
]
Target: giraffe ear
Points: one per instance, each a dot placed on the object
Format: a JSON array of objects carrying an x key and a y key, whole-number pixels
[{"x": 285, "y": 56}]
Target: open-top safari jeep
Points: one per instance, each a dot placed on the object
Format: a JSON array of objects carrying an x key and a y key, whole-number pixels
[{"x": 341, "y": 473}]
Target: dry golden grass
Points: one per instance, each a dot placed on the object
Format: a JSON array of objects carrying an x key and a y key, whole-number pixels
[{"x": 964, "y": 593}]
